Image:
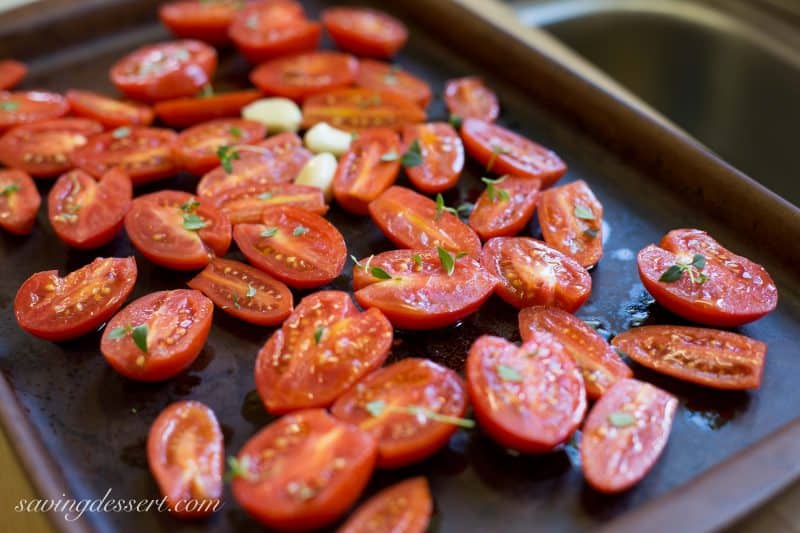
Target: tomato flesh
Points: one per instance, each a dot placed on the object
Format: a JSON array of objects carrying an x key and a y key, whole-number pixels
[
  {"x": 442, "y": 156},
  {"x": 264, "y": 30},
  {"x": 196, "y": 147},
  {"x": 496, "y": 216},
  {"x": 19, "y": 201},
  {"x": 200, "y": 19},
  {"x": 107, "y": 111},
  {"x": 245, "y": 204},
  {"x": 18, "y": 108},
  {"x": 405, "y": 507},
  {"x": 365, "y": 32},
  {"x": 11, "y": 73},
  {"x": 393, "y": 79},
  {"x": 357, "y": 109},
  {"x": 470, "y": 98},
  {"x": 571, "y": 219},
  {"x": 302, "y": 75},
  {"x": 184, "y": 112}
]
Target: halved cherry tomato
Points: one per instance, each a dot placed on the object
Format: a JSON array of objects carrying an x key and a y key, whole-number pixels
[
  {"x": 184, "y": 112},
  {"x": 263, "y": 30},
  {"x": 529, "y": 398},
  {"x": 365, "y": 32},
  {"x": 504, "y": 152},
  {"x": 624, "y": 434},
  {"x": 196, "y": 147},
  {"x": 303, "y": 471},
  {"x": 301, "y": 75},
  {"x": 175, "y": 230},
  {"x": 19, "y": 201},
  {"x": 364, "y": 172},
  {"x": 43, "y": 149},
  {"x": 393, "y": 79},
  {"x": 296, "y": 246},
  {"x": 358, "y": 109},
  {"x": 165, "y": 70},
  {"x": 60, "y": 309},
  {"x": 571, "y": 219},
  {"x": 532, "y": 273},
  {"x": 505, "y": 207},
  {"x": 185, "y": 451},
  {"x": 724, "y": 289},
  {"x": 405, "y": 507},
  {"x": 85, "y": 213},
  {"x": 709, "y": 357},
  {"x": 159, "y": 335},
  {"x": 442, "y": 156},
  {"x": 11, "y": 73},
  {"x": 420, "y": 293},
  {"x": 277, "y": 160},
  {"x": 404, "y": 390},
  {"x": 470, "y": 98},
  {"x": 322, "y": 349},
  {"x": 245, "y": 204},
  {"x": 204, "y": 20},
  {"x": 244, "y": 292},
  {"x": 107, "y": 111},
  {"x": 599, "y": 363},
  {"x": 411, "y": 220},
  {"x": 27, "y": 107}
]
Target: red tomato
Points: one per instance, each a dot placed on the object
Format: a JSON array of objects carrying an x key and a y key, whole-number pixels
[
  {"x": 505, "y": 207},
  {"x": 296, "y": 246},
  {"x": 624, "y": 434},
  {"x": 470, "y": 98},
  {"x": 729, "y": 290},
  {"x": 11, "y": 73},
  {"x": 709, "y": 357},
  {"x": 245, "y": 204},
  {"x": 504, "y": 152},
  {"x": 184, "y": 112},
  {"x": 365, "y": 32},
  {"x": 393, "y": 79},
  {"x": 411, "y": 220},
  {"x": 85, "y": 213},
  {"x": 107, "y": 111},
  {"x": 529, "y": 398},
  {"x": 599, "y": 363},
  {"x": 263, "y": 30},
  {"x": 301, "y": 75},
  {"x": 33, "y": 106},
  {"x": 19, "y": 201},
  {"x": 421, "y": 294},
  {"x": 442, "y": 156},
  {"x": 532, "y": 273},
  {"x": 174, "y": 230},
  {"x": 244, "y": 292},
  {"x": 405, "y": 507},
  {"x": 403, "y": 390},
  {"x": 59, "y": 309},
  {"x": 363, "y": 172},
  {"x": 571, "y": 219},
  {"x": 303, "y": 471},
  {"x": 175, "y": 327},
  {"x": 196, "y": 148},
  {"x": 358, "y": 109},
  {"x": 204, "y": 20},
  {"x": 322, "y": 349},
  {"x": 185, "y": 451},
  {"x": 165, "y": 70}
]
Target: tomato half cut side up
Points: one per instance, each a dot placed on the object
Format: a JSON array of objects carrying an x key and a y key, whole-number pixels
[
  {"x": 301, "y": 75},
  {"x": 19, "y": 202},
  {"x": 188, "y": 111},
  {"x": 421, "y": 292},
  {"x": 505, "y": 207},
  {"x": 391, "y": 405},
  {"x": 185, "y": 453},
  {"x": 697, "y": 278},
  {"x": 60, "y": 309},
  {"x": 407, "y": 505},
  {"x": 442, "y": 156},
  {"x": 365, "y": 32},
  {"x": 393, "y": 79},
  {"x": 708, "y": 357},
  {"x": 571, "y": 219},
  {"x": 368, "y": 168},
  {"x": 624, "y": 435},
  {"x": 196, "y": 147},
  {"x": 11, "y": 73},
  {"x": 107, "y": 111},
  {"x": 86, "y": 213},
  {"x": 158, "y": 336},
  {"x": 245, "y": 204},
  {"x": 303, "y": 471},
  {"x": 358, "y": 109},
  {"x": 470, "y": 98},
  {"x": 175, "y": 230},
  {"x": 244, "y": 292},
  {"x": 529, "y": 398},
  {"x": 18, "y": 108},
  {"x": 200, "y": 19},
  {"x": 264, "y": 30},
  {"x": 599, "y": 363}
]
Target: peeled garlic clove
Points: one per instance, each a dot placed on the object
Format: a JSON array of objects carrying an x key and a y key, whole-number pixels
[
  {"x": 277, "y": 114},
  {"x": 325, "y": 138},
  {"x": 319, "y": 172}
]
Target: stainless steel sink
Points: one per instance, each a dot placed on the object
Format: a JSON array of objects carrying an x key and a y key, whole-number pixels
[{"x": 726, "y": 71}]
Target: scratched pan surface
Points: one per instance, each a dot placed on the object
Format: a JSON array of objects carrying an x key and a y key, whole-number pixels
[{"x": 93, "y": 423}]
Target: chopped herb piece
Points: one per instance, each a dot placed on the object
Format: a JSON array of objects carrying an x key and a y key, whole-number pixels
[
  {"x": 509, "y": 374},
  {"x": 299, "y": 230},
  {"x": 121, "y": 132},
  {"x": 226, "y": 155},
  {"x": 190, "y": 206},
  {"x": 378, "y": 407},
  {"x": 417, "y": 260},
  {"x": 390, "y": 156},
  {"x": 621, "y": 419},
  {"x": 235, "y": 299},
  {"x": 8, "y": 189},
  {"x": 269, "y": 232},
  {"x": 8, "y": 105},
  {"x": 674, "y": 273},
  {"x": 237, "y": 468},
  {"x": 265, "y": 196},
  {"x": 447, "y": 260},
  {"x": 139, "y": 334},
  {"x": 193, "y": 222},
  {"x": 251, "y": 292},
  {"x": 496, "y": 151},
  {"x": 455, "y": 121},
  {"x": 441, "y": 207},
  {"x": 318, "y": 333},
  {"x": 236, "y": 132},
  {"x": 494, "y": 192},
  {"x": 206, "y": 91},
  {"x": 584, "y": 212},
  {"x": 118, "y": 332},
  {"x": 378, "y": 272},
  {"x": 465, "y": 208},
  {"x": 413, "y": 156},
  {"x": 591, "y": 232}
]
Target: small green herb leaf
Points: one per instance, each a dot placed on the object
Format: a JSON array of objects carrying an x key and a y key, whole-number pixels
[
  {"x": 441, "y": 208},
  {"x": 226, "y": 155},
  {"x": 494, "y": 192},
  {"x": 496, "y": 151},
  {"x": 8, "y": 189},
  {"x": 376, "y": 408},
  {"x": 318, "y": 333},
  {"x": 206, "y": 91},
  {"x": 698, "y": 261},
  {"x": 236, "y": 132},
  {"x": 193, "y": 222},
  {"x": 299, "y": 230},
  {"x": 591, "y": 232},
  {"x": 269, "y": 232},
  {"x": 417, "y": 260},
  {"x": 118, "y": 332},
  {"x": 621, "y": 419},
  {"x": 139, "y": 334},
  {"x": 121, "y": 132},
  {"x": 584, "y": 212},
  {"x": 235, "y": 299},
  {"x": 190, "y": 206},
  {"x": 465, "y": 208},
  {"x": 413, "y": 156},
  {"x": 447, "y": 260},
  {"x": 251, "y": 292},
  {"x": 265, "y": 196},
  {"x": 672, "y": 274},
  {"x": 9, "y": 105},
  {"x": 237, "y": 469},
  {"x": 455, "y": 121},
  {"x": 390, "y": 156},
  {"x": 378, "y": 272},
  {"x": 509, "y": 374}
]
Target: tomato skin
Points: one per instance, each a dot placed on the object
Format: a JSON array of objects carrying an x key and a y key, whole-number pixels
[
  {"x": 192, "y": 110},
  {"x": 196, "y": 147},
  {"x": 187, "y": 432},
  {"x": 11, "y": 73},
  {"x": 107, "y": 111},
  {"x": 405, "y": 507},
  {"x": 470, "y": 98},
  {"x": 264, "y": 30},
  {"x": 18, "y": 208},
  {"x": 362, "y": 175},
  {"x": 86, "y": 214},
  {"x": 402, "y": 439},
  {"x": 505, "y": 218},
  {"x": 393, "y": 79},
  {"x": 358, "y": 109},
  {"x": 301, "y": 75},
  {"x": 564, "y": 230},
  {"x": 198, "y": 19},
  {"x": 708, "y": 357},
  {"x": 18, "y": 108},
  {"x": 599, "y": 363},
  {"x": 613, "y": 459},
  {"x": 269, "y": 306},
  {"x": 46, "y": 304},
  {"x": 365, "y": 32},
  {"x": 442, "y": 156},
  {"x": 539, "y": 410},
  {"x": 245, "y": 204}
]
